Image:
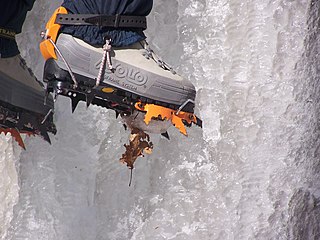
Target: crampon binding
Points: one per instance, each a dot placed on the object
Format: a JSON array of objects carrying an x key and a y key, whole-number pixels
[
  {"x": 17, "y": 121},
  {"x": 123, "y": 102}
]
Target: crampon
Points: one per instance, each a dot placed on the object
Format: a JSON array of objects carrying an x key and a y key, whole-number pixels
[
  {"x": 17, "y": 121},
  {"x": 124, "y": 103}
]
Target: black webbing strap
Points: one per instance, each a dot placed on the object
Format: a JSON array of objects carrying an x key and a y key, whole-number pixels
[
  {"x": 6, "y": 33},
  {"x": 117, "y": 21}
]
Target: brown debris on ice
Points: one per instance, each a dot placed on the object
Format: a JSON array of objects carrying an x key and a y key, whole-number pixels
[{"x": 139, "y": 143}]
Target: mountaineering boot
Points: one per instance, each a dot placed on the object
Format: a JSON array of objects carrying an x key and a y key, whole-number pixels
[
  {"x": 135, "y": 69},
  {"x": 22, "y": 108},
  {"x": 130, "y": 80},
  {"x": 134, "y": 74}
]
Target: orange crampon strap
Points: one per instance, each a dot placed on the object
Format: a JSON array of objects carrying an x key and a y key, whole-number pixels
[
  {"x": 178, "y": 118},
  {"x": 52, "y": 30}
]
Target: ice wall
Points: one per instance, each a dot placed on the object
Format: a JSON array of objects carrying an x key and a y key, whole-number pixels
[
  {"x": 9, "y": 160},
  {"x": 252, "y": 173}
]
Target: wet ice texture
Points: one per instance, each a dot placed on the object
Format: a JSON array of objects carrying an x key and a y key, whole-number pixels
[
  {"x": 252, "y": 173},
  {"x": 8, "y": 181}
]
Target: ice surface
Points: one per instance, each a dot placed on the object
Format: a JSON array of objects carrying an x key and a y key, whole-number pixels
[
  {"x": 252, "y": 173},
  {"x": 9, "y": 194}
]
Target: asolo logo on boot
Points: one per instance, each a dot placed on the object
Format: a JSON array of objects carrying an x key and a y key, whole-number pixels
[{"x": 121, "y": 72}]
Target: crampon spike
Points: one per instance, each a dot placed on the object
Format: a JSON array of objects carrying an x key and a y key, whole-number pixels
[
  {"x": 89, "y": 98},
  {"x": 166, "y": 135},
  {"x": 44, "y": 134},
  {"x": 74, "y": 104},
  {"x": 15, "y": 135},
  {"x": 198, "y": 122}
]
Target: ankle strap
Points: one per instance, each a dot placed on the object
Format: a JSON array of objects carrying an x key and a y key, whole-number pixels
[{"x": 116, "y": 21}]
